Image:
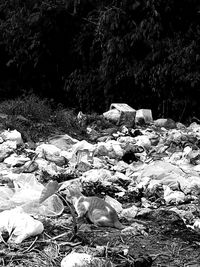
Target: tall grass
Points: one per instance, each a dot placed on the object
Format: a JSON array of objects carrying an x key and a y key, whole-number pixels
[{"x": 31, "y": 107}]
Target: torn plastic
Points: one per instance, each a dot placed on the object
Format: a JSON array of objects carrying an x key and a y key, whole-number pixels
[
  {"x": 27, "y": 194},
  {"x": 19, "y": 225}
]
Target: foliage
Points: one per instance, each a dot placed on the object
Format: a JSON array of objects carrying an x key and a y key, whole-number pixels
[
  {"x": 31, "y": 107},
  {"x": 66, "y": 121},
  {"x": 88, "y": 54}
]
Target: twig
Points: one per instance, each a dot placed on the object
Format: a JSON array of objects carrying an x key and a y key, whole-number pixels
[
  {"x": 72, "y": 213},
  {"x": 29, "y": 248},
  {"x": 58, "y": 236},
  {"x": 70, "y": 244}
]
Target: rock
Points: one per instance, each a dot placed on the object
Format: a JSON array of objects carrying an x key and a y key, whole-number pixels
[
  {"x": 75, "y": 259},
  {"x": 144, "y": 115},
  {"x": 50, "y": 153},
  {"x": 166, "y": 123}
]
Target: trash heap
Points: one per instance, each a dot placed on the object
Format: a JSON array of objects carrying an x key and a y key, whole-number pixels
[{"x": 152, "y": 164}]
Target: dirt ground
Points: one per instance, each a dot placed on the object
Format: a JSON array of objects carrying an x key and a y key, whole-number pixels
[{"x": 166, "y": 242}]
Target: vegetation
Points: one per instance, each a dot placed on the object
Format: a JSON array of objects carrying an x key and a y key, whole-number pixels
[
  {"x": 37, "y": 118},
  {"x": 87, "y": 54}
]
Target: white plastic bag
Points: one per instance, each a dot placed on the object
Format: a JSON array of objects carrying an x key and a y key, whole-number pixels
[{"x": 19, "y": 225}]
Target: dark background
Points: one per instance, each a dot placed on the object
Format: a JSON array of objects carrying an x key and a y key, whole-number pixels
[{"x": 87, "y": 54}]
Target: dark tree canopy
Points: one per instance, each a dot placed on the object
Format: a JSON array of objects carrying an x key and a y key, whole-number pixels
[{"x": 89, "y": 53}]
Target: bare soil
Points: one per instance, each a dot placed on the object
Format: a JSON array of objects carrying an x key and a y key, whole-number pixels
[{"x": 167, "y": 242}]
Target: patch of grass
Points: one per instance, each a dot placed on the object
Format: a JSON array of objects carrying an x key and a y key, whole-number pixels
[{"x": 31, "y": 107}]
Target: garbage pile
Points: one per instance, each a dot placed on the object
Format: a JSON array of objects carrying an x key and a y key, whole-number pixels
[{"x": 153, "y": 163}]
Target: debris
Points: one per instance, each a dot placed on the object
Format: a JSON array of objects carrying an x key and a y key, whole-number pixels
[
  {"x": 143, "y": 115},
  {"x": 19, "y": 225},
  {"x": 13, "y": 136},
  {"x": 121, "y": 114},
  {"x": 51, "y": 153},
  {"x": 75, "y": 259},
  {"x": 166, "y": 123}
]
